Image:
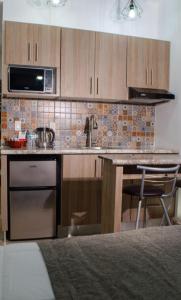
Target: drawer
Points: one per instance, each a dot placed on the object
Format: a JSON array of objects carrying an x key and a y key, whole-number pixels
[{"x": 32, "y": 173}]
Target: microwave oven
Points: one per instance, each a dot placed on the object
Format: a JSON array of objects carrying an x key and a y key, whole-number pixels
[{"x": 31, "y": 79}]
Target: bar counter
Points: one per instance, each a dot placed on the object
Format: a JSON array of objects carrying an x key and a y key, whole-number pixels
[{"x": 117, "y": 168}]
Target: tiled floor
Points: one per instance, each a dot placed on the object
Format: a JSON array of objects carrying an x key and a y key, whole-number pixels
[{"x": 95, "y": 229}]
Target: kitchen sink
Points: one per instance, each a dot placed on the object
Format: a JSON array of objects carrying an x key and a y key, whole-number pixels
[{"x": 101, "y": 148}]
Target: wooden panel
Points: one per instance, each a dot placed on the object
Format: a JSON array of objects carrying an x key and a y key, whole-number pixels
[
  {"x": 81, "y": 188},
  {"x": 18, "y": 43},
  {"x": 159, "y": 64},
  {"x": 81, "y": 166},
  {"x": 81, "y": 196},
  {"x": 110, "y": 67},
  {"x": 111, "y": 198},
  {"x": 4, "y": 193},
  {"x": 46, "y": 46},
  {"x": 77, "y": 63},
  {"x": 138, "y": 62}
]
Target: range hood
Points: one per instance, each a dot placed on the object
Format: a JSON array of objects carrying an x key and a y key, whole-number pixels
[{"x": 149, "y": 96}]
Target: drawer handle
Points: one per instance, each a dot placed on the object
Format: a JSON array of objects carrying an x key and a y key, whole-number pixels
[
  {"x": 33, "y": 166},
  {"x": 91, "y": 85},
  {"x": 97, "y": 86},
  {"x": 36, "y": 52},
  {"x": 29, "y": 51},
  {"x": 151, "y": 76}
]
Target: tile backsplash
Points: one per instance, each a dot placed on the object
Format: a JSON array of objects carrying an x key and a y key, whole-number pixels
[{"x": 127, "y": 126}]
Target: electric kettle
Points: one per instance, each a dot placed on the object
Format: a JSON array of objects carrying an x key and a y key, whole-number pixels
[{"x": 44, "y": 137}]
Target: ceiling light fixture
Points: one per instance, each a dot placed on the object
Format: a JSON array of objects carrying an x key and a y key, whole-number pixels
[
  {"x": 49, "y": 3},
  {"x": 132, "y": 10},
  {"x": 56, "y": 2}
]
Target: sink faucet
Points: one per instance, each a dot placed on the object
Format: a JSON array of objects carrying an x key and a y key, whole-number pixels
[{"x": 91, "y": 123}]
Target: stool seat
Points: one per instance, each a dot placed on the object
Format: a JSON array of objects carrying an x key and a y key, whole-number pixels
[
  {"x": 149, "y": 190},
  {"x": 178, "y": 183},
  {"x": 149, "y": 187}
]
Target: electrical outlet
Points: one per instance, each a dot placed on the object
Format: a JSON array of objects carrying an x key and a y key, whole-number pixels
[
  {"x": 17, "y": 125},
  {"x": 52, "y": 125}
]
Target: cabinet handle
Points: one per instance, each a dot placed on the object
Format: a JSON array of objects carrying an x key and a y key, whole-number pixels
[
  {"x": 28, "y": 51},
  {"x": 97, "y": 86},
  {"x": 151, "y": 76},
  {"x": 146, "y": 76},
  {"x": 36, "y": 52},
  {"x": 91, "y": 85},
  {"x": 95, "y": 171}
]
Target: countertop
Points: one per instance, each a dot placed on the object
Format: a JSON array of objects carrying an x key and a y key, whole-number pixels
[
  {"x": 145, "y": 159},
  {"x": 84, "y": 150}
]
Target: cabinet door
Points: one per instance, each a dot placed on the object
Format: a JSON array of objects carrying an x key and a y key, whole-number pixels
[
  {"x": 81, "y": 188},
  {"x": 18, "y": 43},
  {"x": 77, "y": 63},
  {"x": 138, "y": 62},
  {"x": 159, "y": 64},
  {"x": 110, "y": 67},
  {"x": 46, "y": 46}
]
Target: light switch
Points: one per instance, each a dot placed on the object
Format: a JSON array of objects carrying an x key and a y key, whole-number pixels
[{"x": 17, "y": 125}]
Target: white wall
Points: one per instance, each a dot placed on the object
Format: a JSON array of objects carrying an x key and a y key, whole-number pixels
[
  {"x": 89, "y": 14},
  {"x": 168, "y": 116},
  {"x": 160, "y": 20}
]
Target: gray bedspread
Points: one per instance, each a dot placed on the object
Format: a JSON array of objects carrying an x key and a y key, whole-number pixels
[{"x": 143, "y": 264}]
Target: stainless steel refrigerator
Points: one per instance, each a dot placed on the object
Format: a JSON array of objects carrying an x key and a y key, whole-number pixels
[{"x": 32, "y": 198}]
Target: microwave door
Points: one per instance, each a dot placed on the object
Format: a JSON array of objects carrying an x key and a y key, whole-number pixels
[{"x": 26, "y": 79}]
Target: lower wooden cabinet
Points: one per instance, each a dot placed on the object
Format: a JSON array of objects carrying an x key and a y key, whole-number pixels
[{"x": 81, "y": 189}]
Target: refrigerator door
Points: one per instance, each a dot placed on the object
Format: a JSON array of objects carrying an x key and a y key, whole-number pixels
[
  {"x": 32, "y": 173},
  {"x": 32, "y": 214}
]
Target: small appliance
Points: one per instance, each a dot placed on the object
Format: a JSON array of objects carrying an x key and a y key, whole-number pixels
[
  {"x": 149, "y": 96},
  {"x": 44, "y": 137},
  {"x": 31, "y": 79}
]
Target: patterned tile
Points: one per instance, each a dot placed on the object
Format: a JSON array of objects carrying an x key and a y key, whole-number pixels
[{"x": 121, "y": 125}]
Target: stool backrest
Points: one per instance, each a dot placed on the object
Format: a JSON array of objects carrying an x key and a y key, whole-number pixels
[{"x": 159, "y": 176}]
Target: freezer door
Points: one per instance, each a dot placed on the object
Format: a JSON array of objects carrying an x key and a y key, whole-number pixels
[
  {"x": 32, "y": 214},
  {"x": 32, "y": 173}
]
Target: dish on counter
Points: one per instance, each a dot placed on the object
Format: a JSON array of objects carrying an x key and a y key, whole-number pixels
[{"x": 16, "y": 143}]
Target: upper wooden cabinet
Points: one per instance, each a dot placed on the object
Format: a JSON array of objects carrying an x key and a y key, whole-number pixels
[
  {"x": 110, "y": 66},
  {"x": 29, "y": 44},
  {"x": 77, "y": 63},
  {"x": 93, "y": 65},
  {"x": 160, "y": 64},
  {"x": 148, "y": 63},
  {"x": 18, "y": 43},
  {"x": 46, "y": 46}
]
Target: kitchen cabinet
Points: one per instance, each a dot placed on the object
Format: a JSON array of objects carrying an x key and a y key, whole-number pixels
[
  {"x": 148, "y": 63},
  {"x": 93, "y": 65},
  {"x": 81, "y": 188},
  {"x": 18, "y": 43},
  {"x": 77, "y": 63},
  {"x": 160, "y": 63},
  {"x": 47, "y": 46},
  {"x": 30, "y": 44},
  {"x": 110, "y": 67}
]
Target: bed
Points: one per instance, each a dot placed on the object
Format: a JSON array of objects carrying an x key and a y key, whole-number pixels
[
  {"x": 143, "y": 264},
  {"x": 23, "y": 274}
]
